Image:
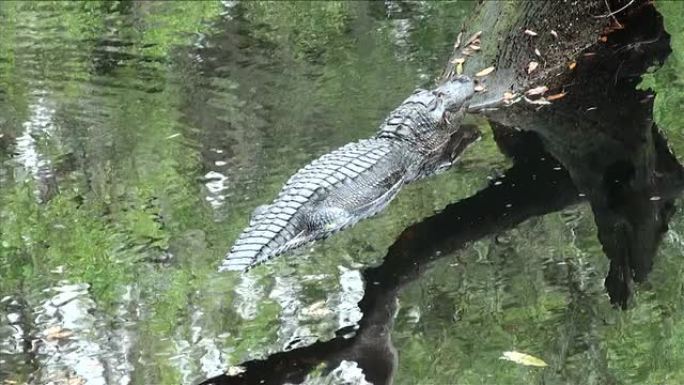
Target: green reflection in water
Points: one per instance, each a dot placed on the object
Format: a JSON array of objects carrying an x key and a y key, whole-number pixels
[{"x": 137, "y": 137}]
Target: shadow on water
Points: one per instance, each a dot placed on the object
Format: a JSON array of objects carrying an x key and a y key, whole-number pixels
[{"x": 599, "y": 145}]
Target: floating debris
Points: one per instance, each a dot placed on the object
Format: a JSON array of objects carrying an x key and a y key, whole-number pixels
[
  {"x": 523, "y": 359},
  {"x": 532, "y": 66},
  {"x": 529, "y": 32},
  {"x": 540, "y": 90},
  {"x": 536, "y": 52},
  {"x": 654, "y": 198},
  {"x": 556, "y": 96},
  {"x": 479, "y": 88},
  {"x": 554, "y": 33},
  {"x": 173, "y": 136},
  {"x": 572, "y": 65},
  {"x": 474, "y": 47},
  {"x": 592, "y": 108},
  {"x": 485, "y": 72},
  {"x": 458, "y": 60}
]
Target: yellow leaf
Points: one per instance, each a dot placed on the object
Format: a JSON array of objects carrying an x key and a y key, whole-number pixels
[{"x": 523, "y": 359}]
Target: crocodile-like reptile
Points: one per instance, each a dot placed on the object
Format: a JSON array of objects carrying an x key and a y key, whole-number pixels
[{"x": 419, "y": 138}]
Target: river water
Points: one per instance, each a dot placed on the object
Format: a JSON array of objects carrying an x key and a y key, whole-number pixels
[{"x": 136, "y": 138}]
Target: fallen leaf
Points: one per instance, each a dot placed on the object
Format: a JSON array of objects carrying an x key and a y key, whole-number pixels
[
  {"x": 523, "y": 359},
  {"x": 474, "y": 47},
  {"x": 540, "y": 101},
  {"x": 479, "y": 88},
  {"x": 472, "y": 38},
  {"x": 467, "y": 51},
  {"x": 508, "y": 95},
  {"x": 555, "y": 96},
  {"x": 532, "y": 66},
  {"x": 76, "y": 381},
  {"x": 572, "y": 65},
  {"x": 536, "y": 52},
  {"x": 485, "y": 72},
  {"x": 540, "y": 90},
  {"x": 530, "y": 32},
  {"x": 554, "y": 33},
  {"x": 603, "y": 39},
  {"x": 57, "y": 333},
  {"x": 458, "y": 60},
  {"x": 589, "y": 54},
  {"x": 235, "y": 370},
  {"x": 459, "y": 68},
  {"x": 458, "y": 40}
]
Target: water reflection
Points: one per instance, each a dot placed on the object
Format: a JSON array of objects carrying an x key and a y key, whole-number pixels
[{"x": 155, "y": 127}]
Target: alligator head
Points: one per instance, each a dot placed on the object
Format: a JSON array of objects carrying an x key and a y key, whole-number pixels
[{"x": 426, "y": 112}]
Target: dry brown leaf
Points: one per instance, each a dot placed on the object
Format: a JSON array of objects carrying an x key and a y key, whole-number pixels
[
  {"x": 76, "y": 381},
  {"x": 540, "y": 90},
  {"x": 485, "y": 72},
  {"x": 458, "y": 60},
  {"x": 572, "y": 65},
  {"x": 57, "y": 333},
  {"x": 556, "y": 96},
  {"x": 472, "y": 38},
  {"x": 532, "y": 66},
  {"x": 530, "y": 32},
  {"x": 235, "y": 370},
  {"x": 540, "y": 101}
]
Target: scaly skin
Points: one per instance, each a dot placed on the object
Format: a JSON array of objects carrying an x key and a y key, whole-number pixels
[{"x": 419, "y": 138}]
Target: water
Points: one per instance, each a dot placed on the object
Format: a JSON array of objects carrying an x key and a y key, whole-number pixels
[{"x": 136, "y": 138}]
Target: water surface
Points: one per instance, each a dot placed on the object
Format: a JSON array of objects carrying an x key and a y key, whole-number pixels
[{"x": 136, "y": 138}]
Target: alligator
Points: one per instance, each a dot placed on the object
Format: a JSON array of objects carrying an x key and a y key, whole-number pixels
[{"x": 421, "y": 137}]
